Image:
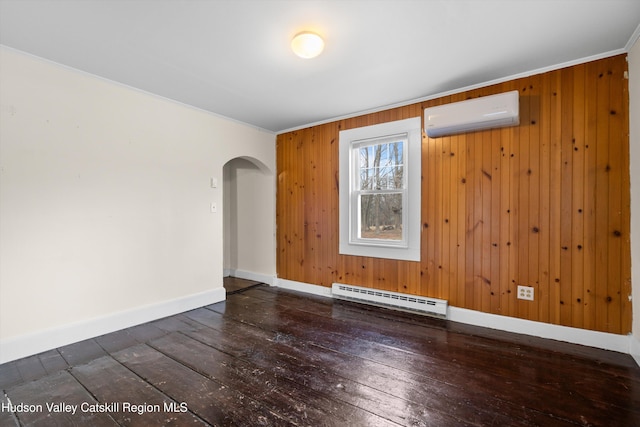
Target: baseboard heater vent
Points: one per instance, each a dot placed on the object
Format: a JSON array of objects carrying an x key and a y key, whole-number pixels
[{"x": 422, "y": 305}]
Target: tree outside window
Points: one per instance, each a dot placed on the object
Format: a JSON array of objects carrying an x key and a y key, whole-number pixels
[{"x": 381, "y": 189}]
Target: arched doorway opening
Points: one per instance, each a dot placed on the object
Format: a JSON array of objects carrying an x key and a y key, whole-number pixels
[{"x": 248, "y": 220}]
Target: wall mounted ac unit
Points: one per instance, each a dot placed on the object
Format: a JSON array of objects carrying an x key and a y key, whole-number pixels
[{"x": 487, "y": 112}]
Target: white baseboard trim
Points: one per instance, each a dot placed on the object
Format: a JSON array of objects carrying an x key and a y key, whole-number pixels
[
  {"x": 634, "y": 348},
  {"x": 303, "y": 287},
  {"x": 621, "y": 343},
  {"x": 603, "y": 340},
  {"x": 48, "y": 339},
  {"x": 250, "y": 275}
]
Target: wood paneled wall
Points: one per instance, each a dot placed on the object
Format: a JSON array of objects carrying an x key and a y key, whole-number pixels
[{"x": 544, "y": 204}]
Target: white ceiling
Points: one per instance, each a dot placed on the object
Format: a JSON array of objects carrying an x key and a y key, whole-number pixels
[{"x": 233, "y": 58}]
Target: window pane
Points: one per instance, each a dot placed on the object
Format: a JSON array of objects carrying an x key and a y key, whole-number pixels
[
  {"x": 381, "y": 166},
  {"x": 367, "y": 170},
  {"x": 367, "y": 178},
  {"x": 381, "y": 216}
]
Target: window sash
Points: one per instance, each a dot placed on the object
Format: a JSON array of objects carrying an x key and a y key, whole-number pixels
[{"x": 357, "y": 192}]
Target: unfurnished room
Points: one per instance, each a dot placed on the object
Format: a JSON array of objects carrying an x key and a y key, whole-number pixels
[{"x": 320, "y": 213}]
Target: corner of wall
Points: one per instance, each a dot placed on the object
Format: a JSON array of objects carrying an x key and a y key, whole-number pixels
[
  {"x": 633, "y": 59},
  {"x": 634, "y": 348},
  {"x": 250, "y": 275}
]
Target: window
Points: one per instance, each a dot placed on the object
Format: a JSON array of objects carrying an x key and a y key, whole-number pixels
[{"x": 380, "y": 190}]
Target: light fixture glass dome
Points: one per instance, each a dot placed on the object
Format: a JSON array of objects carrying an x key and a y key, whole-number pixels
[{"x": 307, "y": 45}]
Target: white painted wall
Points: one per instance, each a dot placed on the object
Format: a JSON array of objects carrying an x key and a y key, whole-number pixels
[
  {"x": 634, "y": 140},
  {"x": 249, "y": 201},
  {"x": 227, "y": 235},
  {"x": 104, "y": 203}
]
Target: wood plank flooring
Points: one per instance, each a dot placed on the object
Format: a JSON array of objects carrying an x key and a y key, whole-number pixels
[{"x": 271, "y": 357}]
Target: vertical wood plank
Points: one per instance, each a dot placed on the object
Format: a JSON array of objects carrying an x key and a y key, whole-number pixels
[
  {"x": 577, "y": 217},
  {"x": 589, "y": 205},
  {"x": 462, "y": 242},
  {"x": 533, "y": 174},
  {"x": 524, "y": 207},
  {"x": 494, "y": 219},
  {"x": 438, "y": 220},
  {"x": 566, "y": 206},
  {"x": 625, "y": 268},
  {"x": 615, "y": 171},
  {"x": 506, "y": 295},
  {"x": 543, "y": 292},
  {"x": 445, "y": 270},
  {"x": 486, "y": 182},
  {"x": 452, "y": 188},
  {"x": 602, "y": 198},
  {"x": 555, "y": 196},
  {"x": 473, "y": 221},
  {"x": 514, "y": 215},
  {"x": 430, "y": 226}
]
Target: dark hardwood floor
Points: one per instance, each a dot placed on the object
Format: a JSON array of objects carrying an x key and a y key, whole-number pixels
[{"x": 275, "y": 357}]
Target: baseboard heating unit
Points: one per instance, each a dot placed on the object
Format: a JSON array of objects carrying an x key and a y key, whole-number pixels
[{"x": 422, "y": 305}]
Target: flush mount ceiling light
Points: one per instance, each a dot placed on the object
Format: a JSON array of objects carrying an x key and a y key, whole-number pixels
[{"x": 307, "y": 45}]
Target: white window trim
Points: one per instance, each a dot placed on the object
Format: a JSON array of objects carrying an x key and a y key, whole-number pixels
[{"x": 408, "y": 250}]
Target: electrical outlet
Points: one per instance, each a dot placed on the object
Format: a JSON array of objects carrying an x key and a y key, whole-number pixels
[{"x": 525, "y": 292}]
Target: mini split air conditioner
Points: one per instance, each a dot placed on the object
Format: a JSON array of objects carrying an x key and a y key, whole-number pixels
[{"x": 487, "y": 112}]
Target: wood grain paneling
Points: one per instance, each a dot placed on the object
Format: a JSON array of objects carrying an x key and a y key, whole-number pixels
[{"x": 544, "y": 204}]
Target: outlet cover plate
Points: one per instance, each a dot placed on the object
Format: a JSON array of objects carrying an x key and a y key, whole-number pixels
[{"x": 526, "y": 292}]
